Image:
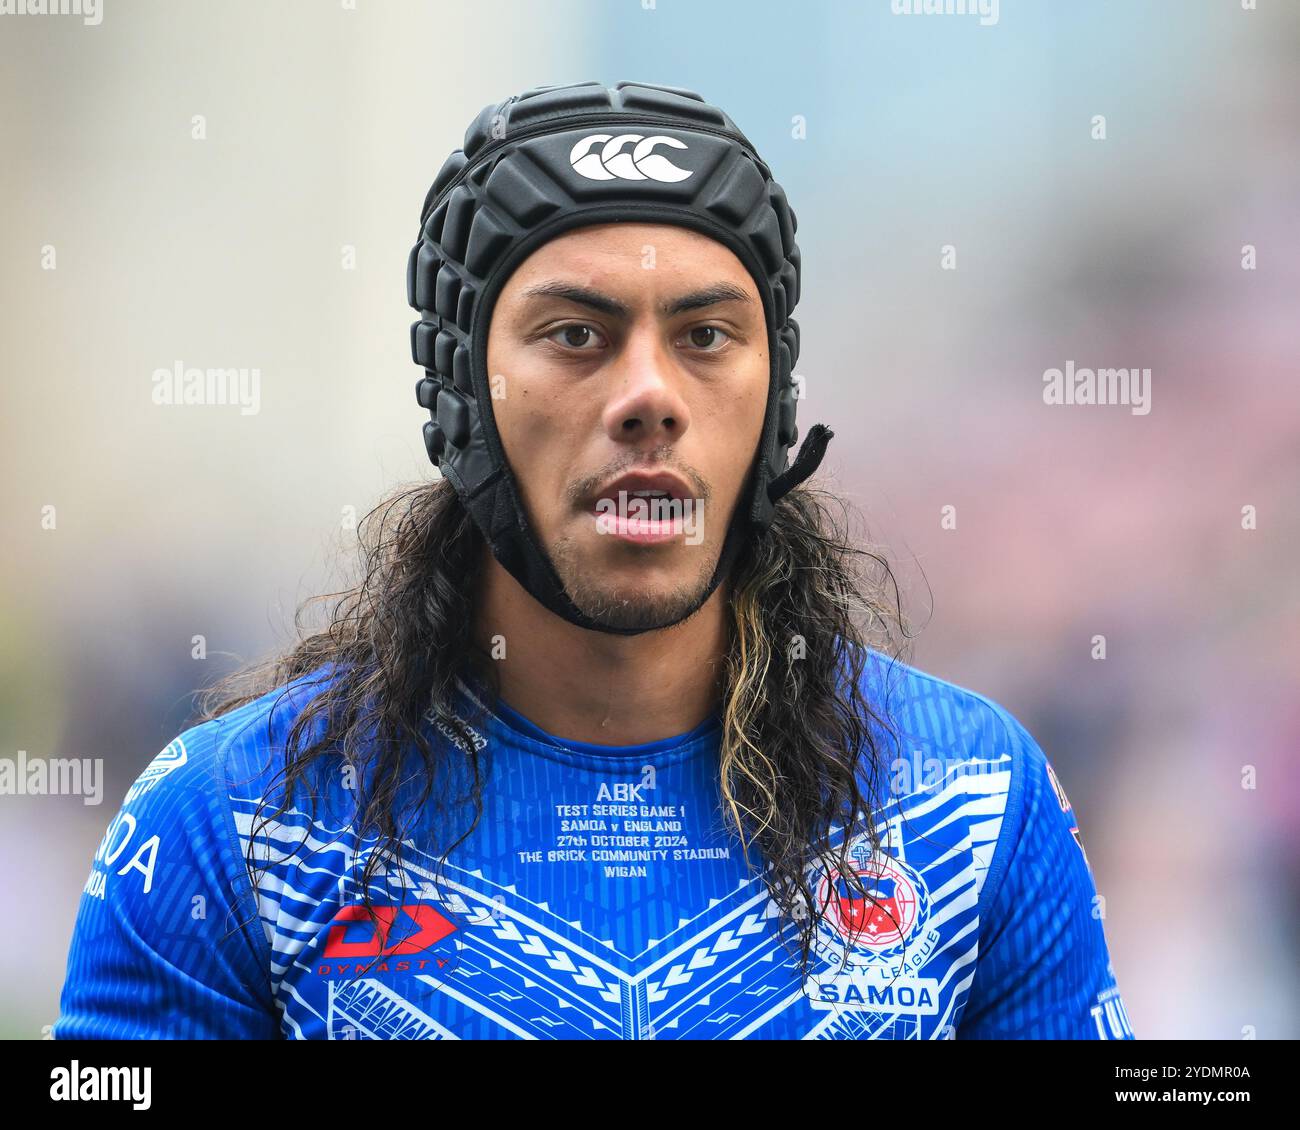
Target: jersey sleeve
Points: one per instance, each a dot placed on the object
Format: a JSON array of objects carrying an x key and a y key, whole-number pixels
[
  {"x": 1044, "y": 970},
  {"x": 167, "y": 942}
]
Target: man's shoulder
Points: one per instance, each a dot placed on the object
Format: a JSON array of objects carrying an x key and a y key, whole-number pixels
[
  {"x": 251, "y": 736},
  {"x": 242, "y": 745},
  {"x": 950, "y": 747},
  {"x": 942, "y": 718},
  {"x": 961, "y": 758}
]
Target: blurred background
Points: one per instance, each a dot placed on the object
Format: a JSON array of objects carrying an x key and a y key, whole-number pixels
[{"x": 128, "y": 245}]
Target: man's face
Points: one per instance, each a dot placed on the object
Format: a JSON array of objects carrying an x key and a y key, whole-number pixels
[{"x": 627, "y": 358}]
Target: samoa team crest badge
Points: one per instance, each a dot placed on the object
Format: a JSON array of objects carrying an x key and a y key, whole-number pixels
[
  {"x": 875, "y": 938},
  {"x": 880, "y": 913}
]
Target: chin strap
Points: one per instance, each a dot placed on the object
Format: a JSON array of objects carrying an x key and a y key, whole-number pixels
[{"x": 806, "y": 462}]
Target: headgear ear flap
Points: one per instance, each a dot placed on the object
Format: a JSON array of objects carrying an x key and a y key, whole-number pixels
[{"x": 542, "y": 163}]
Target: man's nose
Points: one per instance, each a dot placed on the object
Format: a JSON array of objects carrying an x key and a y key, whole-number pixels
[{"x": 645, "y": 404}]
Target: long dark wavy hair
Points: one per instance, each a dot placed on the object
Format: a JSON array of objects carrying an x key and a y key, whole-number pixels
[{"x": 801, "y": 760}]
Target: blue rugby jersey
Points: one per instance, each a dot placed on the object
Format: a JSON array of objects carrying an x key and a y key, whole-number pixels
[{"x": 599, "y": 897}]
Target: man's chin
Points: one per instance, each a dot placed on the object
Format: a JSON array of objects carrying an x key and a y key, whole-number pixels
[
  {"x": 638, "y": 610},
  {"x": 639, "y": 597},
  {"x": 633, "y": 588}
]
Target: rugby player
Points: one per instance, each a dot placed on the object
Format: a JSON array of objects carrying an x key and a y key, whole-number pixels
[{"x": 613, "y": 739}]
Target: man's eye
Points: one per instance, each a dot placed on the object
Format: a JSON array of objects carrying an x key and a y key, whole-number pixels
[
  {"x": 577, "y": 335},
  {"x": 699, "y": 337}
]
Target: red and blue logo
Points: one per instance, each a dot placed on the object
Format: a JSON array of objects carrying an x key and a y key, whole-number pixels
[
  {"x": 879, "y": 912},
  {"x": 401, "y": 937}
]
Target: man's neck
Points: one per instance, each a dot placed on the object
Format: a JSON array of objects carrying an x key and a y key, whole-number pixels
[{"x": 597, "y": 687}]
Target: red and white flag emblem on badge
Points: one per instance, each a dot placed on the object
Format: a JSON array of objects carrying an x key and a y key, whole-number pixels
[{"x": 882, "y": 919}]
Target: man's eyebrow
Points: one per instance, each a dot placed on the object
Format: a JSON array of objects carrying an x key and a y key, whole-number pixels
[
  {"x": 709, "y": 296},
  {"x": 586, "y": 296}
]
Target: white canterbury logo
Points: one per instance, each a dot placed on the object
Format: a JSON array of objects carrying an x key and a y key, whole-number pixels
[{"x": 613, "y": 164}]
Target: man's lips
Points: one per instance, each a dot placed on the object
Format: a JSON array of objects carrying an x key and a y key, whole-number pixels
[
  {"x": 625, "y": 508},
  {"x": 672, "y": 485}
]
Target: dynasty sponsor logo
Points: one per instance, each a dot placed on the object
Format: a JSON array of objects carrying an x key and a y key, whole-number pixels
[{"x": 418, "y": 927}]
